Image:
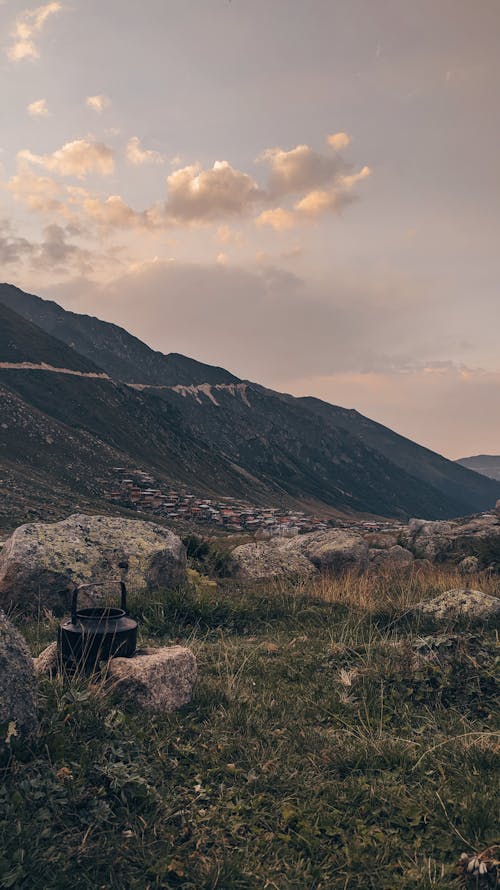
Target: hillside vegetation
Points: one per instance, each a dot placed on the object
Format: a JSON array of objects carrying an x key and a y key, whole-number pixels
[{"x": 336, "y": 740}]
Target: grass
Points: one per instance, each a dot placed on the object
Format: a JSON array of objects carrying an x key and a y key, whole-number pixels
[{"x": 335, "y": 740}]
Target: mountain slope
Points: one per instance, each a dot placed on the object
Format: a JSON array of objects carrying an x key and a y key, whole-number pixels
[
  {"x": 486, "y": 464},
  {"x": 125, "y": 357},
  {"x": 235, "y": 437}
]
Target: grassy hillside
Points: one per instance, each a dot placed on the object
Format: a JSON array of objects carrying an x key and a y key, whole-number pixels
[{"x": 334, "y": 741}]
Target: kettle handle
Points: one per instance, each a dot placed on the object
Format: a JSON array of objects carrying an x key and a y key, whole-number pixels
[{"x": 74, "y": 598}]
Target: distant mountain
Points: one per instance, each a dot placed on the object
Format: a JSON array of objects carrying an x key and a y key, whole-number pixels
[
  {"x": 486, "y": 464},
  {"x": 204, "y": 427}
]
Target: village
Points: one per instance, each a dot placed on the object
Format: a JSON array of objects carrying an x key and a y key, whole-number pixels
[{"x": 136, "y": 489}]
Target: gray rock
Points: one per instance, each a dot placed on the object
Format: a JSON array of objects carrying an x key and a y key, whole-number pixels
[
  {"x": 391, "y": 558},
  {"x": 41, "y": 562},
  {"x": 461, "y": 603},
  {"x": 158, "y": 680},
  {"x": 303, "y": 555},
  {"x": 450, "y": 541},
  {"x": 336, "y": 549},
  {"x": 268, "y": 560},
  {"x": 469, "y": 565},
  {"x": 18, "y": 699}
]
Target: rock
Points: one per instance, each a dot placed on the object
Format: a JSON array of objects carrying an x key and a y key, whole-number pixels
[
  {"x": 461, "y": 603},
  {"x": 41, "y": 562},
  {"x": 469, "y": 565},
  {"x": 158, "y": 680},
  {"x": 497, "y": 508},
  {"x": 47, "y": 662},
  {"x": 303, "y": 555},
  {"x": 394, "y": 556},
  {"x": 335, "y": 549},
  {"x": 267, "y": 560},
  {"x": 18, "y": 698},
  {"x": 454, "y": 540}
]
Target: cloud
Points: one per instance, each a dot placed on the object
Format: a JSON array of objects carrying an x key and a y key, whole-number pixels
[
  {"x": 338, "y": 141},
  {"x": 38, "y": 108},
  {"x": 77, "y": 158},
  {"x": 55, "y": 253},
  {"x": 98, "y": 103},
  {"x": 13, "y": 250},
  {"x": 197, "y": 195},
  {"x": 300, "y": 169},
  {"x": 115, "y": 213},
  {"x": 279, "y": 219},
  {"x": 320, "y": 201},
  {"x": 137, "y": 155},
  {"x": 40, "y": 193},
  {"x": 28, "y": 26}
]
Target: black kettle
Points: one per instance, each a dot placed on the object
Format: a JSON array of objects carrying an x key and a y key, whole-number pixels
[{"x": 96, "y": 634}]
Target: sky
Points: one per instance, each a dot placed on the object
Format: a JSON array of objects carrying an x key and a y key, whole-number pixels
[{"x": 305, "y": 192}]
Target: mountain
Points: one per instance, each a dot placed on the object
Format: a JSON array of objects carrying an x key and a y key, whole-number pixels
[
  {"x": 123, "y": 356},
  {"x": 203, "y": 426},
  {"x": 486, "y": 464}
]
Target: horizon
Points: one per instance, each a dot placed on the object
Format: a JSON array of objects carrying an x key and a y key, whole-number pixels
[{"x": 312, "y": 206}]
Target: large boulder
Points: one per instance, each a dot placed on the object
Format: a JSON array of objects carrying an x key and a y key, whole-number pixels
[
  {"x": 393, "y": 557},
  {"x": 461, "y": 603},
  {"x": 303, "y": 555},
  {"x": 333, "y": 550},
  {"x": 41, "y": 562},
  {"x": 18, "y": 700},
  {"x": 268, "y": 560},
  {"x": 158, "y": 680},
  {"x": 453, "y": 540}
]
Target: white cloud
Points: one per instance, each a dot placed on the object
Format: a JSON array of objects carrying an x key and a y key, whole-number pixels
[
  {"x": 279, "y": 219},
  {"x": 77, "y": 158},
  {"x": 38, "y": 108},
  {"x": 98, "y": 103},
  {"x": 137, "y": 155},
  {"x": 40, "y": 193},
  {"x": 300, "y": 169},
  {"x": 319, "y": 201},
  {"x": 28, "y": 26},
  {"x": 338, "y": 141},
  {"x": 197, "y": 195}
]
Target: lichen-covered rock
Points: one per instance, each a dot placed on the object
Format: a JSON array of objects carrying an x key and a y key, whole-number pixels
[
  {"x": 469, "y": 565},
  {"x": 47, "y": 663},
  {"x": 270, "y": 559},
  {"x": 461, "y": 603},
  {"x": 303, "y": 555},
  {"x": 158, "y": 680},
  {"x": 18, "y": 700},
  {"x": 335, "y": 549},
  {"x": 453, "y": 540},
  {"x": 41, "y": 562},
  {"x": 391, "y": 558}
]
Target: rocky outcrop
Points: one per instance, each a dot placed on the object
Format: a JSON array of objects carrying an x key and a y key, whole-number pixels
[
  {"x": 454, "y": 540},
  {"x": 461, "y": 603},
  {"x": 157, "y": 680},
  {"x": 18, "y": 700},
  {"x": 304, "y": 555},
  {"x": 41, "y": 562}
]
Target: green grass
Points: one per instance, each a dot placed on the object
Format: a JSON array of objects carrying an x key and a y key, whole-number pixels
[{"x": 322, "y": 750}]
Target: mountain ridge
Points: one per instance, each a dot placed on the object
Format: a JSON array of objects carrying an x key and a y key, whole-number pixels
[{"x": 227, "y": 435}]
